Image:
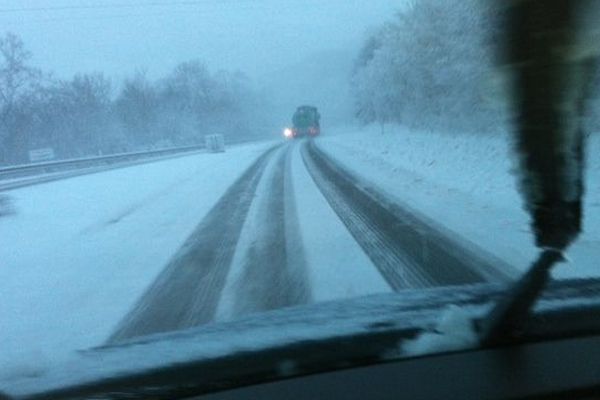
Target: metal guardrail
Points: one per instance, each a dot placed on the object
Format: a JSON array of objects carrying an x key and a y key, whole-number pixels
[
  {"x": 23, "y": 170},
  {"x": 18, "y": 176}
]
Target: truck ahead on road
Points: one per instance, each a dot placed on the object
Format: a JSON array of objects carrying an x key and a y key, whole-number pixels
[{"x": 305, "y": 122}]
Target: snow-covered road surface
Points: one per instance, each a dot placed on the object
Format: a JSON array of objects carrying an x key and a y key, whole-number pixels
[
  {"x": 79, "y": 252},
  {"x": 247, "y": 254},
  {"x": 409, "y": 250},
  {"x": 467, "y": 184},
  {"x": 251, "y": 251},
  {"x": 212, "y": 237}
]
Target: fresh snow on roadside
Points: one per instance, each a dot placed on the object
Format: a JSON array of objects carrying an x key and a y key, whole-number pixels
[
  {"x": 465, "y": 183},
  {"x": 79, "y": 252}
]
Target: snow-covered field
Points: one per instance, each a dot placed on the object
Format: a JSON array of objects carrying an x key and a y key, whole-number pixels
[
  {"x": 464, "y": 183},
  {"x": 79, "y": 252}
]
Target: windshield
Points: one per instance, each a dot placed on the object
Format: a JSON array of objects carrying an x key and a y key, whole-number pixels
[{"x": 172, "y": 165}]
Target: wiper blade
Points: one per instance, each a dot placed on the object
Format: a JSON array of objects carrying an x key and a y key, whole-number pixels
[
  {"x": 543, "y": 42},
  {"x": 504, "y": 322}
]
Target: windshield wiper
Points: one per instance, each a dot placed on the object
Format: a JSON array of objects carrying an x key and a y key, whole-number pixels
[
  {"x": 550, "y": 76},
  {"x": 506, "y": 318}
]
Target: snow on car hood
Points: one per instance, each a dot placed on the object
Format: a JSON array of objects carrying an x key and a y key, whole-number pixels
[{"x": 387, "y": 322}]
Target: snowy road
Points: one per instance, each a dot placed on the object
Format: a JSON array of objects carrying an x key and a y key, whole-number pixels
[
  {"x": 408, "y": 251},
  {"x": 247, "y": 254},
  {"x": 179, "y": 243}
]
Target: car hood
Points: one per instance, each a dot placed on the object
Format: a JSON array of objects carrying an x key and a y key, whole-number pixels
[{"x": 298, "y": 340}]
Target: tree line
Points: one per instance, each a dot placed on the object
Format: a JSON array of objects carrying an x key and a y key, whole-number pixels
[
  {"x": 436, "y": 66},
  {"x": 87, "y": 115}
]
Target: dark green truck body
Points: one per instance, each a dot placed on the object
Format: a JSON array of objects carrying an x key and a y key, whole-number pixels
[{"x": 306, "y": 121}]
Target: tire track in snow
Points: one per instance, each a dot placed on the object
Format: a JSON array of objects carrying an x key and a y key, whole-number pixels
[
  {"x": 187, "y": 292},
  {"x": 272, "y": 272},
  {"x": 408, "y": 251}
]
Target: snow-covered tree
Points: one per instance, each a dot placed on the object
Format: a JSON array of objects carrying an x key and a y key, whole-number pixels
[
  {"x": 80, "y": 117},
  {"x": 429, "y": 67},
  {"x": 17, "y": 79},
  {"x": 137, "y": 108}
]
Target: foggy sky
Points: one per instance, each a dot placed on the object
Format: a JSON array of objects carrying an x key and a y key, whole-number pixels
[{"x": 118, "y": 37}]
